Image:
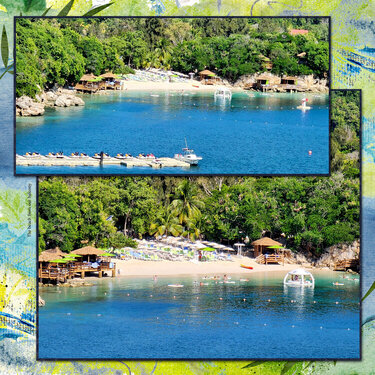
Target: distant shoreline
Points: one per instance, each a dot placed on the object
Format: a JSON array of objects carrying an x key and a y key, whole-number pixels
[{"x": 185, "y": 268}]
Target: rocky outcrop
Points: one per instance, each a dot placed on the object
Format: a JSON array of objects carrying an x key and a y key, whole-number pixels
[
  {"x": 25, "y": 106},
  {"x": 338, "y": 253},
  {"x": 57, "y": 98}
]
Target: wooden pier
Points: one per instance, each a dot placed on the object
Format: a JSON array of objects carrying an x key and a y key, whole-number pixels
[
  {"x": 62, "y": 274},
  {"x": 96, "y": 162}
]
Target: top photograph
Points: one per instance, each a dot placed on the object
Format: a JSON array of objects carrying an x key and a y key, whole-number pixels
[{"x": 172, "y": 96}]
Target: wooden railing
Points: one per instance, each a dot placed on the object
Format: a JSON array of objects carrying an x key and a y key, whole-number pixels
[
  {"x": 269, "y": 258},
  {"x": 260, "y": 259}
]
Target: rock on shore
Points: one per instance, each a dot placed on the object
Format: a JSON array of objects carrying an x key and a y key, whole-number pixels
[
  {"x": 25, "y": 106},
  {"x": 305, "y": 83},
  {"x": 337, "y": 253}
]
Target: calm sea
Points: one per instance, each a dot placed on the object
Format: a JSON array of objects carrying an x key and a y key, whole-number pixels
[
  {"x": 137, "y": 318},
  {"x": 254, "y": 133}
]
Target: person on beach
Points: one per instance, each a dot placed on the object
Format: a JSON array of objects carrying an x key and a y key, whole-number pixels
[
  {"x": 155, "y": 278},
  {"x": 225, "y": 278}
]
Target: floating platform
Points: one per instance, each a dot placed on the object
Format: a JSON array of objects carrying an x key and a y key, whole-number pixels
[{"x": 68, "y": 161}]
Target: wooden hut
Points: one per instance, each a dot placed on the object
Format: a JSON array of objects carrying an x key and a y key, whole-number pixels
[
  {"x": 90, "y": 256},
  {"x": 261, "y": 245},
  {"x": 52, "y": 271},
  {"x": 289, "y": 83},
  {"x": 89, "y": 83},
  {"x": 208, "y": 78},
  {"x": 266, "y": 82},
  {"x": 110, "y": 81},
  {"x": 289, "y": 80}
]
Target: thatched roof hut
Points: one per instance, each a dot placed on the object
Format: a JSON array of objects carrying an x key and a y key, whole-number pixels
[
  {"x": 88, "y": 78},
  {"x": 289, "y": 80},
  {"x": 262, "y": 244},
  {"x": 88, "y": 250},
  {"x": 89, "y": 253},
  {"x": 109, "y": 75},
  {"x": 51, "y": 254}
]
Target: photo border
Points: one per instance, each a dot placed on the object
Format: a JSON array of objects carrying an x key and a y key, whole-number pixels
[{"x": 15, "y": 18}]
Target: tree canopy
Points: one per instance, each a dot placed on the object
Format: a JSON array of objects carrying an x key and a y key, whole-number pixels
[{"x": 59, "y": 51}]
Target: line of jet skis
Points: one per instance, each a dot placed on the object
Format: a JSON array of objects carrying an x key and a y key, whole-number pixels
[{"x": 82, "y": 155}]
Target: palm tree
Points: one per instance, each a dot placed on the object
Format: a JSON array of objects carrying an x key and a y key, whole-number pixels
[
  {"x": 186, "y": 203},
  {"x": 163, "y": 51},
  {"x": 192, "y": 230},
  {"x": 167, "y": 224}
]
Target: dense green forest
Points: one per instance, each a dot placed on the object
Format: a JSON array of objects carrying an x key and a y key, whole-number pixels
[
  {"x": 312, "y": 212},
  {"x": 60, "y": 51}
]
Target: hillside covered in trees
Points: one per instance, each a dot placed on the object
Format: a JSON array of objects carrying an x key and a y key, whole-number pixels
[
  {"x": 311, "y": 213},
  {"x": 60, "y": 51}
]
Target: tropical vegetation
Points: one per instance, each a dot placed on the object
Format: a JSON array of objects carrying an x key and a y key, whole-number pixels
[{"x": 59, "y": 51}]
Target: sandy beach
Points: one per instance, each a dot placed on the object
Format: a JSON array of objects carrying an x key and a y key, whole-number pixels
[
  {"x": 166, "y": 268},
  {"x": 171, "y": 86}
]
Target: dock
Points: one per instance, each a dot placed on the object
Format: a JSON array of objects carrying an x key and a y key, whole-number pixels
[{"x": 67, "y": 161}]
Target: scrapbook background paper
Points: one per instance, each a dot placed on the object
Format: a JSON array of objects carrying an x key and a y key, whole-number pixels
[{"x": 352, "y": 30}]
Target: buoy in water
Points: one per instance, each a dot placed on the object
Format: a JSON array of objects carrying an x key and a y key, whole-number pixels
[
  {"x": 310, "y": 152},
  {"x": 303, "y": 105}
]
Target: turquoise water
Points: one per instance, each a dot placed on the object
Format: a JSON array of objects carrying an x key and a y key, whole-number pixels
[
  {"x": 368, "y": 261},
  {"x": 253, "y": 134},
  {"x": 137, "y": 318}
]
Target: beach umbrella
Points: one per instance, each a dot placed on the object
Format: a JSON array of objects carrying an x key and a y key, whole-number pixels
[
  {"x": 208, "y": 249},
  {"x": 59, "y": 261},
  {"x": 107, "y": 255},
  {"x": 73, "y": 256},
  {"x": 220, "y": 246},
  {"x": 227, "y": 248},
  {"x": 200, "y": 245}
]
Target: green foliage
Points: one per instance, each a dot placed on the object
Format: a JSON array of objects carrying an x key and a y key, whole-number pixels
[
  {"x": 345, "y": 131},
  {"x": 119, "y": 240},
  {"x": 59, "y": 51}
]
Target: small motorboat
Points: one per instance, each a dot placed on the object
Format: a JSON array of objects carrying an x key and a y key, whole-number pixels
[
  {"x": 337, "y": 283},
  {"x": 188, "y": 156},
  {"x": 300, "y": 278},
  {"x": 247, "y": 267}
]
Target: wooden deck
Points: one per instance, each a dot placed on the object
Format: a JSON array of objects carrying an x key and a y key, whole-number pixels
[
  {"x": 61, "y": 275},
  {"x": 270, "y": 259}
]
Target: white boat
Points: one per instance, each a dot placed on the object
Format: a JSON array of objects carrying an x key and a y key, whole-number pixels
[
  {"x": 223, "y": 93},
  {"x": 299, "y": 277},
  {"x": 188, "y": 156}
]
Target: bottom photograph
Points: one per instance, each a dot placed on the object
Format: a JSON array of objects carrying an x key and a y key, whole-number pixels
[{"x": 199, "y": 268}]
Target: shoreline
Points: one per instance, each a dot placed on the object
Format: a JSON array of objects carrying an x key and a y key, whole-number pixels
[
  {"x": 28, "y": 107},
  {"x": 187, "y": 268}
]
